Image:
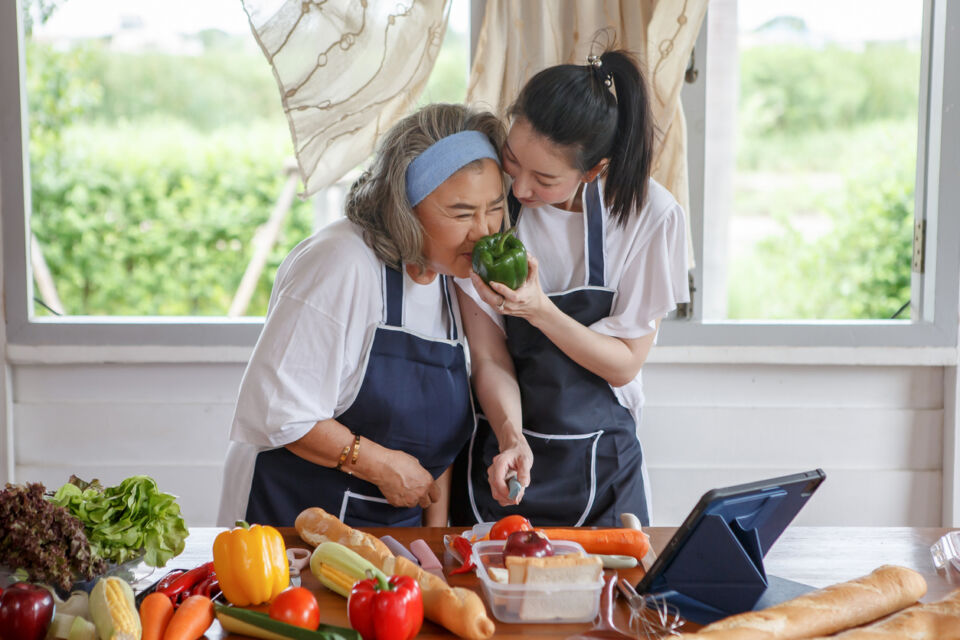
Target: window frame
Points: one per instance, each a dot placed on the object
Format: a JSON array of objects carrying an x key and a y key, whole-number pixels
[
  {"x": 935, "y": 293},
  {"x": 934, "y": 299}
]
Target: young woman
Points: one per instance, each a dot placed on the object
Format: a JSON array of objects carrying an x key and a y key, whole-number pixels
[
  {"x": 608, "y": 261},
  {"x": 356, "y": 398}
]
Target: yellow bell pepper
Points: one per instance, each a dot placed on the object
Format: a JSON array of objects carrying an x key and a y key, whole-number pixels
[{"x": 251, "y": 564}]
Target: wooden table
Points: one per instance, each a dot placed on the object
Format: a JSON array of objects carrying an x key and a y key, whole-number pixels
[{"x": 818, "y": 556}]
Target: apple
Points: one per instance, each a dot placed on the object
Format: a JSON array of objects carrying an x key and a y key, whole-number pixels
[
  {"x": 25, "y": 612},
  {"x": 527, "y": 543}
]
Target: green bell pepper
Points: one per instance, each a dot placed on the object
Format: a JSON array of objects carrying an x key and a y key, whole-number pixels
[{"x": 501, "y": 257}]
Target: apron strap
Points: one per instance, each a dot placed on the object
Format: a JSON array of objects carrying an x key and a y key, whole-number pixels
[
  {"x": 593, "y": 245},
  {"x": 392, "y": 296},
  {"x": 452, "y": 319},
  {"x": 393, "y": 301}
]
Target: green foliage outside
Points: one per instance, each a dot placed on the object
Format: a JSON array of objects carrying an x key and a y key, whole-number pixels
[
  {"x": 859, "y": 270},
  {"x": 150, "y": 175},
  {"x": 143, "y": 214},
  {"x": 798, "y": 90},
  {"x": 845, "y": 124},
  {"x": 160, "y": 221},
  {"x": 448, "y": 80}
]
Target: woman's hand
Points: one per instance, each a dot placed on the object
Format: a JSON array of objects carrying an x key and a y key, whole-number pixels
[
  {"x": 405, "y": 483},
  {"x": 528, "y": 301},
  {"x": 515, "y": 459}
]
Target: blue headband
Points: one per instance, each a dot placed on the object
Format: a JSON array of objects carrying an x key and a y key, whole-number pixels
[{"x": 444, "y": 158}]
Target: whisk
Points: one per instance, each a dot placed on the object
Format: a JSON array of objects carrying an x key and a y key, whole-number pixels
[{"x": 650, "y": 616}]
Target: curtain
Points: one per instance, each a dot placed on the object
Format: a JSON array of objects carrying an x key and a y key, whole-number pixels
[
  {"x": 347, "y": 70},
  {"x": 519, "y": 38}
]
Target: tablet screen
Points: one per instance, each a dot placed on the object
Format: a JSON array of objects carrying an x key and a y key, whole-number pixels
[{"x": 755, "y": 513}]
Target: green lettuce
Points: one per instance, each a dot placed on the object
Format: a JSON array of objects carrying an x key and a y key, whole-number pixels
[{"x": 124, "y": 521}]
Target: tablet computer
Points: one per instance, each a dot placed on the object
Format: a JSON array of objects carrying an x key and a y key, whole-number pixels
[{"x": 715, "y": 558}]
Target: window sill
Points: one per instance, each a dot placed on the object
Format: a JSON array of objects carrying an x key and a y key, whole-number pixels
[
  {"x": 832, "y": 356},
  {"x": 827, "y": 356}
]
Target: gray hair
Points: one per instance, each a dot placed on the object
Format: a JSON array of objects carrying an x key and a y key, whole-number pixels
[{"x": 377, "y": 201}]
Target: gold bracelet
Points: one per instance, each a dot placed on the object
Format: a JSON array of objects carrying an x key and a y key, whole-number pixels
[
  {"x": 356, "y": 450},
  {"x": 343, "y": 457}
]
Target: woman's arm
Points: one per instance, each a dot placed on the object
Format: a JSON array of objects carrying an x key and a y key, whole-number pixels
[
  {"x": 495, "y": 383},
  {"x": 616, "y": 360},
  {"x": 401, "y": 478},
  {"x": 438, "y": 513}
]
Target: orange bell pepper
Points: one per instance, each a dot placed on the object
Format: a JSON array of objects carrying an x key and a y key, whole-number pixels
[{"x": 251, "y": 564}]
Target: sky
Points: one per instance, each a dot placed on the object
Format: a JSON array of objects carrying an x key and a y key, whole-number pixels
[
  {"x": 836, "y": 19},
  {"x": 840, "y": 19},
  {"x": 92, "y": 18}
]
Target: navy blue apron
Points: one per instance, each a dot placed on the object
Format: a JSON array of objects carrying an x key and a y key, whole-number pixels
[
  {"x": 586, "y": 456},
  {"x": 415, "y": 397}
]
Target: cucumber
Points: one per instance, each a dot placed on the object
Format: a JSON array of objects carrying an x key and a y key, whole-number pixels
[
  {"x": 60, "y": 626},
  {"x": 82, "y": 629},
  {"x": 238, "y": 626},
  {"x": 260, "y": 625}
]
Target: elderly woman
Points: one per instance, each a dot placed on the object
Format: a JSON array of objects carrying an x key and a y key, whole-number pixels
[{"x": 357, "y": 397}]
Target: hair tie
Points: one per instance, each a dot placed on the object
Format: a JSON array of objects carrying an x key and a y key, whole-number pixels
[{"x": 596, "y": 63}]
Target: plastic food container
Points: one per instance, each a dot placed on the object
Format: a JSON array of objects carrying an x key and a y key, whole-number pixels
[
  {"x": 521, "y": 603},
  {"x": 478, "y": 531},
  {"x": 946, "y": 551}
]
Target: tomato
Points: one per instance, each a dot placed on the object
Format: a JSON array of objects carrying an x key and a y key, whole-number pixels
[
  {"x": 505, "y": 526},
  {"x": 296, "y": 606}
]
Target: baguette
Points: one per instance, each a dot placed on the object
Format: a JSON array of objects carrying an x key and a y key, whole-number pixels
[
  {"x": 459, "y": 610},
  {"x": 938, "y": 620},
  {"x": 316, "y": 525},
  {"x": 825, "y": 611}
]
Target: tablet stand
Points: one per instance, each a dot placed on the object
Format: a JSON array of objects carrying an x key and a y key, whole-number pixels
[{"x": 719, "y": 570}]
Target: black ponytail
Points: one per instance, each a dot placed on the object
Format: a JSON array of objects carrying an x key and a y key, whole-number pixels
[{"x": 574, "y": 106}]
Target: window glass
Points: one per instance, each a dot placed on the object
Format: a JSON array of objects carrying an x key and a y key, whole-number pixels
[
  {"x": 158, "y": 150},
  {"x": 817, "y": 219}
]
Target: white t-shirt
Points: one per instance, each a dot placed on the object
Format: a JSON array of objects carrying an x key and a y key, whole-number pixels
[
  {"x": 311, "y": 357},
  {"x": 645, "y": 263}
]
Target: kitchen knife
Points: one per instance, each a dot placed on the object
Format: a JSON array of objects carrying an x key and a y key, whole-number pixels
[
  {"x": 398, "y": 549},
  {"x": 515, "y": 487},
  {"x": 428, "y": 559}
]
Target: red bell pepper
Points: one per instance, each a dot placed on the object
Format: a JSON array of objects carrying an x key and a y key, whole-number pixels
[
  {"x": 463, "y": 547},
  {"x": 386, "y": 609}
]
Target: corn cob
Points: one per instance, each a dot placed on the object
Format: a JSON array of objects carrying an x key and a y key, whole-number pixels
[
  {"x": 113, "y": 610},
  {"x": 339, "y": 568}
]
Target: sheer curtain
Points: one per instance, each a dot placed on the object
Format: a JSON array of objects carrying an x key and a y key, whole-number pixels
[
  {"x": 347, "y": 70},
  {"x": 520, "y": 38}
]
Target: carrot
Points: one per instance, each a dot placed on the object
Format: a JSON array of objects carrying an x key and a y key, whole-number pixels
[
  {"x": 155, "y": 613},
  {"x": 623, "y": 542},
  {"x": 191, "y": 620}
]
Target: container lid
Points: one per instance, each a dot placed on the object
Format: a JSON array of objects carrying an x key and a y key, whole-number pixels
[{"x": 485, "y": 550}]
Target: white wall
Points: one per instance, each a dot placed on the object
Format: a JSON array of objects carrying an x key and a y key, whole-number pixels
[
  {"x": 877, "y": 431},
  {"x": 111, "y": 421}
]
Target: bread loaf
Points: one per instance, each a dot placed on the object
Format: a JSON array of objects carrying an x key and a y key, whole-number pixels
[
  {"x": 541, "y": 602},
  {"x": 825, "y": 611},
  {"x": 316, "y": 525},
  {"x": 930, "y": 621},
  {"x": 459, "y": 610},
  {"x": 569, "y": 568}
]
